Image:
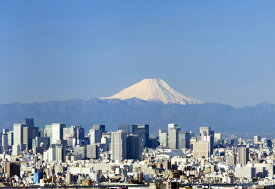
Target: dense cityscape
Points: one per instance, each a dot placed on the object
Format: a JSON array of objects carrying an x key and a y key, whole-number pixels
[{"x": 60, "y": 155}]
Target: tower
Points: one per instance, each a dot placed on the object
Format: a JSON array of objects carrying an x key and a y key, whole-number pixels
[
  {"x": 173, "y": 132},
  {"x": 242, "y": 154},
  {"x": 118, "y": 145}
]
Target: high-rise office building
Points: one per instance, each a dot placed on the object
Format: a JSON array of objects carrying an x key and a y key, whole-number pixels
[
  {"x": 188, "y": 136},
  {"x": 95, "y": 136},
  {"x": 118, "y": 145},
  {"x": 183, "y": 140},
  {"x": 79, "y": 134},
  {"x": 5, "y": 145},
  {"x": 132, "y": 142},
  {"x": 18, "y": 133},
  {"x": 10, "y": 138},
  {"x": 163, "y": 138},
  {"x": 242, "y": 154},
  {"x": 57, "y": 132},
  {"x": 142, "y": 131},
  {"x": 201, "y": 149},
  {"x": 207, "y": 135},
  {"x": 173, "y": 132},
  {"x": 29, "y": 133}
]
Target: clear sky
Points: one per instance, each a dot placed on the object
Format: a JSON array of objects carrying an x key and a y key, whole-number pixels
[{"x": 217, "y": 51}]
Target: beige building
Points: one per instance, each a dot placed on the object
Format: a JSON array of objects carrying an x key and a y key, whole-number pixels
[{"x": 201, "y": 149}]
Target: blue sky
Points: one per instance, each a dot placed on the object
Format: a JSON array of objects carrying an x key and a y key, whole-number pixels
[{"x": 216, "y": 51}]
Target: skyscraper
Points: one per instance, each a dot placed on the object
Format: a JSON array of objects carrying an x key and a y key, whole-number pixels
[
  {"x": 163, "y": 138},
  {"x": 29, "y": 133},
  {"x": 173, "y": 132},
  {"x": 242, "y": 154},
  {"x": 5, "y": 144},
  {"x": 183, "y": 140},
  {"x": 18, "y": 133},
  {"x": 57, "y": 132},
  {"x": 133, "y": 151},
  {"x": 142, "y": 131},
  {"x": 95, "y": 136},
  {"x": 118, "y": 145},
  {"x": 207, "y": 135},
  {"x": 10, "y": 138}
]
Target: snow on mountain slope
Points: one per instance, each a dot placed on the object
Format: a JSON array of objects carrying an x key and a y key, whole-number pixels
[{"x": 154, "y": 90}]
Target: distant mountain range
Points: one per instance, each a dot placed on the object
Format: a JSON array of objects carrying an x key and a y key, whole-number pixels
[{"x": 157, "y": 110}]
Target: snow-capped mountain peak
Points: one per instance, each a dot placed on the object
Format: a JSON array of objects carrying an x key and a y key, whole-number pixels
[{"x": 154, "y": 90}]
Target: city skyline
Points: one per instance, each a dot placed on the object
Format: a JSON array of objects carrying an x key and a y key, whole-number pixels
[
  {"x": 137, "y": 94},
  {"x": 63, "y": 155},
  {"x": 218, "y": 51}
]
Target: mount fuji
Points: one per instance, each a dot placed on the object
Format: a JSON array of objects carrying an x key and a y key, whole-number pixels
[{"x": 154, "y": 90}]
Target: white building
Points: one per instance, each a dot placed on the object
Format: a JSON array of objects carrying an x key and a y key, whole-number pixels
[
  {"x": 17, "y": 133},
  {"x": 173, "y": 132},
  {"x": 118, "y": 145},
  {"x": 57, "y": 132}
]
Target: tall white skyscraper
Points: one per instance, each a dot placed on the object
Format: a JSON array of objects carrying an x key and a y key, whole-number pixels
[
  {"x": 173, "y": 132},
  {"x": 18, "y": 133},
  {"x": 118, "y": 145},
  {"x": 57, "y": 132}
]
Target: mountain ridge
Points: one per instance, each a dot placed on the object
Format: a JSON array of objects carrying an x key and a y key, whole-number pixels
[{"x": 222, "y": 118}]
